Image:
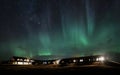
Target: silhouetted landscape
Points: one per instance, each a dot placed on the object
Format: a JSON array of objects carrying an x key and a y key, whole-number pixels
[{"x": 107, "y": 68}]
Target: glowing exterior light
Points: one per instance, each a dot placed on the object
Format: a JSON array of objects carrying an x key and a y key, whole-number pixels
[
  {"x": 101, "y": 58},
  {"x": 57, "y": 62}
]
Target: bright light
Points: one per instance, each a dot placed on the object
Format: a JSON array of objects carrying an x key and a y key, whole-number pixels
[
  {"x": 101, "y": 58},
  {"x": 97, "y": 59},
  {"x": 74, "y": 60},
  {"x": 14, "y": 62},
  {"x": 20, "y": 63},
  {"x": 81, "y": 60},
  {"x": 27, "y": 60},
  {"x": 26, "y": 63},
  {"x": 57, "y": 61}
]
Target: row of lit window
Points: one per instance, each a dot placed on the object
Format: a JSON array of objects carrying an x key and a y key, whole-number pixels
[
  {"x": 22, "y": 63},
  {"x": 81, "y": 60},
  {"x": 97, "y": 59},
  {"x": 25, "y": 60}
]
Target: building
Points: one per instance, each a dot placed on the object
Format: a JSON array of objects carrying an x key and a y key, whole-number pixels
[
  {"x": 15, "y": 60},
  {"x": 86, "y": 60},
  {"x": 43, "y": 62}
]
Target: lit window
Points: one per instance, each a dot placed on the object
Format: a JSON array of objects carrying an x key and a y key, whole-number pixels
[
  {"x": 30, "y": 63},
  {"x": 27, "y": 59},
  {"x": 31, "y": 60},
  {"x": 74, "y": 60},
  {"x": 89, "y": 59},
  {"x": 21, "y": 59},
  {"x": 44, "y": 62},
  {"x": 81, "y": 60},
  {"x": 18, "y": 59},
  {"x": 97, "y": 59},
  {"x": 26, "y": 63},
  {"x": 20, "y": 63},
  {"x": 14, "y": 62}
]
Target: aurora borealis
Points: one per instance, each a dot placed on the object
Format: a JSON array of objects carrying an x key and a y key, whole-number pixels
[{"x": 59, "y": 27}]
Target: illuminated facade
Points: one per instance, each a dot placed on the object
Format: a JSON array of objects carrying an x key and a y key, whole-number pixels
[
  {"x": 20, "y": 61},
  {"x": 87, "y": 60}
]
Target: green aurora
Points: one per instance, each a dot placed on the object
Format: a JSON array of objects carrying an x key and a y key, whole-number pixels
[{"x": 60, "y": 27}]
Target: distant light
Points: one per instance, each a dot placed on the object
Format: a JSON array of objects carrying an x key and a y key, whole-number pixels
[
  {"x": 14, "y": 62},
  {"x": 31, "y": 60},
  {"x": 74, "y": 60},
  {"x": 26, "y": 63},
  {"x": 89, "y": 59},
  {"x": 101, "y": 58},
  {"x": 81, "y": 60},
  {"x": 62, "y": 61},
  {"x": 57, "y": 62},
  {"x": 20, "y": 63},
  {"x": 44, "y": 62},
  {"x": 97, "y": 59},
  {"x": 29, "y": 63},
  {"x": 27, "y": 60},
  {"x": 21, "y": 59},
  {"x": 18, "y": 59},
  {"x": 49, "y": 62}
]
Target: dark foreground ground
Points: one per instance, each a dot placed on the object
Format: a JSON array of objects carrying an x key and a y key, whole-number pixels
[{"x": 58, "y": 70}]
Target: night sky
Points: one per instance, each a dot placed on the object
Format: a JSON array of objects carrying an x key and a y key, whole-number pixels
[{"x": 59, "y": 27}]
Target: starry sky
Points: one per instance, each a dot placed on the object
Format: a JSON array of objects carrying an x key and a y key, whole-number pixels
[{"x": 59, "y": 27}]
